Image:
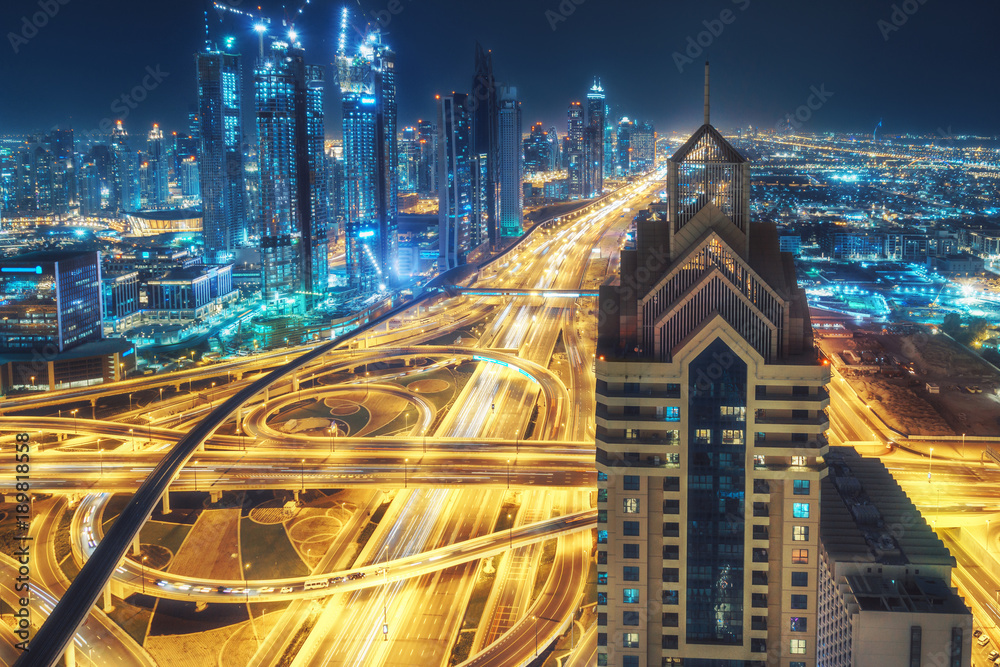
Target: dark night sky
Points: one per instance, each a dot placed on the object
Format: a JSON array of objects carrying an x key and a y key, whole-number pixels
[{"x": 938, "y": 70}]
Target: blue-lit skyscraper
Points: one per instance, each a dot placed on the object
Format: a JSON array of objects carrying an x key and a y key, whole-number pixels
[
  {"x": 366, "y": 74},
  {"x": 575, "y": 153},
  {"x": 510, "y": 171},
  {"x": 158, "y": 169},
  {"x": 455, "y": 181},
  {"x": 219, "y": 128},
  {"x": 125, "y": 190},
  {"x": 294, "y": 199}
]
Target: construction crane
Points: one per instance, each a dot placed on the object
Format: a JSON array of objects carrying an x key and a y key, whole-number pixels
[{"x": 260, "y": 23}]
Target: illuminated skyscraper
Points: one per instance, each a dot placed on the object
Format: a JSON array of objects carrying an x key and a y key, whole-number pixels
[
  {"x": 456, "y": 188},
  {"x": 575, "y": 158},
  {"x": 537, "y": 150},
  {"x": 624, "y": 157},
  {"x": 643, "y": 148},
  {"x": 427, "y": 170},
  {"x": 484, "y": 109},
  {"x": 367, "y": 79},
  {"x": 710, "y": 423},
  {"x": 596, "y": 113},
  {"x": 158, "y": 169},
  {"x": 510, "y": 171},
  {"x": 125, "y": 191},
  {"x": 409, "y": 159},
  {"x": 293, "y": 183},
  {"x": 219, "y": 128}
]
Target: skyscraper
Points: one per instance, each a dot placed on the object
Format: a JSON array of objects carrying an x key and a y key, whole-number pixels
[
  {"x": 367, "y": 79},
  {"x": 625, "y": 129},
  {"x": 484, "y": 107},
  {"x": 456, "y": 188},
  {"x": 125, "y": 191},
  {"x": 596, "y": 113},
  {"x": 409, "y": 159},
  {"x": 158, "y": 194},
  {"x": 537, "y": 150},
  {"x": 218, "y": 129},
  {"x": 574, "y": 157},
  {"x": 710, "y": 400},
  {"x": 293, "y": 195},
  {"x": 427, "y": 170},
  {"x": 643, "y": 148},
  {"x": 510, "y": 171}
]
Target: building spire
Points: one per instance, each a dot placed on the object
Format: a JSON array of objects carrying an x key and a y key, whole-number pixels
[{"x": 706, "y": 93}]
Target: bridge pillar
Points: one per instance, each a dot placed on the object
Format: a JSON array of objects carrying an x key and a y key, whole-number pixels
[
  {"x": 267, "y": 394},
  {"x": 295, "y": 384},
  {"x": 215, "y": 496},
  {"x": 295, "y": 494},
  {"x": 166, "y": 502},
  {"x": 136, "y": 549},
  {"x": 70, "y": 654},
  {"x": 108, "y": 602}
]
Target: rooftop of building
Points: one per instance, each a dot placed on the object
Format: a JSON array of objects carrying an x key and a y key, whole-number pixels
[
  {"x": 47, "y": 256},
  {"x": 914, "y": 594},
  {"x": 97, "y": 348},
  {"x": 867, "y": 518}
]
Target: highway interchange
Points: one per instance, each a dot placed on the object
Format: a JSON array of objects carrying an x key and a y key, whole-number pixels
[{"x": 449, "y": 474}]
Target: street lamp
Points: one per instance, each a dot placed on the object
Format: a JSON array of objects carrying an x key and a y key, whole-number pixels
[
  {"x": 142, "y": 564},
  {"x": 405, "y": 465},
  {"x": 101, "y": 452},
  {"x": 130, "y": 401},
  {"x": 75, "y": 420},
  {"x": 131, "y": 435},
  {"x": 510, "y": 533},
  {"x": 508, "y": 474},
  {"x": 930, "y": 463},
  {"x": 302, "y": 473}
]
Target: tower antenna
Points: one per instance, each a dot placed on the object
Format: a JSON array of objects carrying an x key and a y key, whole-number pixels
[{"x": 706, "y": 93}]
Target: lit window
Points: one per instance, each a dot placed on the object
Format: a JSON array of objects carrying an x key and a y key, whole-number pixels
[
  {"x": 673, "y": 414},
  {"x": 799, "y": 556},
  {"x": 797, "y": 647},
  {"x": 702, "y": 436},
  {"x": 630, "y": 640},
  {"x": 798, "y": 624},
  {"x": 602, "y": 598},
  {"x": 801, "y": 487},
  {"x": 602, "y": 578},
  {"x": 800, "y": 510},
  {"x": 732, "y": 437},
  {"x": 798, "y": 460},
  {"x": 602, "y": 537},
  {"x": 630, "y": 596},
  {"x": 602, "y": 659},
  {"x": 800, "y": 533},
  {"x": 631, "y": 505}
]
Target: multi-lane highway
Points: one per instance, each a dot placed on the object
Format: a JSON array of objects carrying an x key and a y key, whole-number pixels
[{"x": 522, "y": 420}]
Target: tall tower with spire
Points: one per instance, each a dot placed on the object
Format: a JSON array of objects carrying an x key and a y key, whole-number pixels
[
  {"x": 594, "y": 140},
  {"x": 710, "y": 432}
]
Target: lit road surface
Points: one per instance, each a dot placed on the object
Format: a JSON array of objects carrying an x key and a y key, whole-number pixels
[
  {"x": 97, "y": 642},
  {"x": 495, "y": 404}
]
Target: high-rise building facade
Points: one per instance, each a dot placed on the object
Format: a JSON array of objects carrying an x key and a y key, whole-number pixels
[
  {"x": 219, "y": 135},
  {"x": 575, "y": 157},
  {"x": 624, "y": 149},
  {"x": 367, "y": 78},
  {"x": 456, "y": 188},
  {"x": 643, "y": 145},
  {"x": 596, "y": 116},
  {"x": 710, "y": 422},
  {"x": 125, "y": 190},
  {"x": 427, "y": 169},
  {"x": 484, "y": 110},
  {"x": 510, "y": 172},
  {"x": 157, "y": 192},
  {"x": 537, "y": 150},
  {"x": 409, "y": 159},
  {"x": 292, "y": 173}
]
